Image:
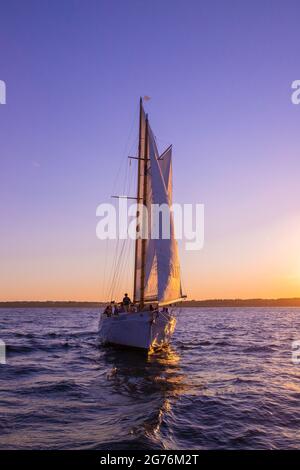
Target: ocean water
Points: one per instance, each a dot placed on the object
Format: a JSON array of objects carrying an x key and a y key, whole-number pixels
[{"x": 226, "y": 382}]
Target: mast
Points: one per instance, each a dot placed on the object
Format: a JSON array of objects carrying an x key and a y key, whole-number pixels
[
  {"x": 139, "y": 196},
  {"x": 144, "y": 240}
]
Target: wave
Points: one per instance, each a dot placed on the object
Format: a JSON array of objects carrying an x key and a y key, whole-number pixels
[
  {"x": 50, "y": 387},
  {"x": 260, "y": 348}
]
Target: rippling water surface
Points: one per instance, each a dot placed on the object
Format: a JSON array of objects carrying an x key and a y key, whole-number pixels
[{"x": 227, "y": 381}]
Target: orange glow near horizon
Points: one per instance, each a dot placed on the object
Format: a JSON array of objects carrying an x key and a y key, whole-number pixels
[{"x": 262, "y": 263}]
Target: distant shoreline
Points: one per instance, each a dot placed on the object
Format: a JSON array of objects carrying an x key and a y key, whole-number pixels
[{"x": 284, "y": 302}]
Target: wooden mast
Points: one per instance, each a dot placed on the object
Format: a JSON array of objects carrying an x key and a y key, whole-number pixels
[
  {"x": 144, "y": 240},
  {"x": 139, "y": 196}
]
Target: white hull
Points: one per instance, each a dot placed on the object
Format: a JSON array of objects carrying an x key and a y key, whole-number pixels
[{"x": 144, "y": 330}]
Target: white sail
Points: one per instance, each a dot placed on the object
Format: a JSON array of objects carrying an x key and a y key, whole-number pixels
[
  {"x": 161, "y": 261},
  {"x": 150, "y": 262},
  {"x": 165, "y": 163},
  {"x": 162, "y": 258}
]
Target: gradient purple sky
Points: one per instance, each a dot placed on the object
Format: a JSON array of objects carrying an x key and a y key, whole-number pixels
[{"x": 219, "y": 74}]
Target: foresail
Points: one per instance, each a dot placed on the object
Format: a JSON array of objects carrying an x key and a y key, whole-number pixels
[
  {"x": 165, "y": 163},
  {"x": 151, "y": 262},
  {"x": 165, "y": 260}
]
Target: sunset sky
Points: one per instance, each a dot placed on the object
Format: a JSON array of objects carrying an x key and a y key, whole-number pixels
[{"x": 219, "y": 75}]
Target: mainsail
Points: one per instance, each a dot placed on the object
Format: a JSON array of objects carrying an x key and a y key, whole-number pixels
[{"x": 157, "y": 270}]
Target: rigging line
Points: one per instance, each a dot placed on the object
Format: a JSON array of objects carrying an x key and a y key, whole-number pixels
[
  {"x": 113, "y": 268},
  {"x": 128, "y": 245},
  {"x": 117, "y": 268},
  {"x": 123, "y": 265},
  {"x": 161, "y": 157},
  {"x": 125, "y": 146},
  {"x": 179, "y": 250},
  {"x": 103, "y": 284},
  {"x": 128, "y": 172},
  {"x": 116, "y": 273},
  {"x": 107, "y": 277},
  {"x": 116, "y": 251},
  {"x": 117, "y": 254},
  {"x": 132, "y": 256},
  {"x": 131, "y": 267},
  {"x": 126, "y": 268},
  {"x": 128, "y": 176},
  {"x": 132, "y": 126},
  {"x": 111, "y": 287},
  {"x": 125, "y": 179},
  {"x": 115, "y": 263},
  {"x": 130, "y": 180},
  {"x": 124, "y": 260},
  {"x": 112, "y": 275},
  {"x": 114, "y": 184},
  {"x": 121, "y": 268}
]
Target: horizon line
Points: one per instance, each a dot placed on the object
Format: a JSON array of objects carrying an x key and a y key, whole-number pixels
[{"x": 215, "y": 299}]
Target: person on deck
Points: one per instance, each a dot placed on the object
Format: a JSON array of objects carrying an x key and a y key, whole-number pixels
[
  {"x": 126, "y": 302},
  {"x": 108, "y": 311},
  {"x": 116, "y": 309}
]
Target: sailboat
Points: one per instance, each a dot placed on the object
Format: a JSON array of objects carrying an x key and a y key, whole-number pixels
[{"x": 150, "y": 321}]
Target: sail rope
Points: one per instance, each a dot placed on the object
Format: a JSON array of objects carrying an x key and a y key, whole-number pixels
[
  {"x": 124, "y": 265},
  {"x": 123, "y": 270},
  {"x": 116, "y": 270},
  {"x": 121, "y": 267},
  {"x": 107, "y": 279}
]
